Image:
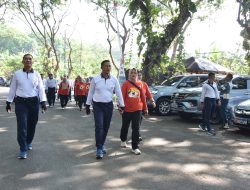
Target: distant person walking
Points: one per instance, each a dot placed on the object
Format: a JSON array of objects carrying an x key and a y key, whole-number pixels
[
  {"x": 27, "y": 87},
  {"x": 209, "y": 97},
  {"x": 102, "y": 88},
  {"x": 135, "y": 105},
  {"x": 80, "y": 90},
  {"x": 51, "y": 89},
  {"x": 63, "y": 92},
  {"x": 225, "y": 89}
]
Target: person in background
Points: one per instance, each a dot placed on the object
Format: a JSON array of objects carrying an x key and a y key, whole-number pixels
[
  {"x": 70, "y": 87},
  {"x": 224, "y": 97},
  {"x": 51, "y": 89},
  {"x": 86, "y": 90},
  {"x": 75, "y": 83},
  {"x": 27, "y": 86},
  {"x": 44, "y": 80},
  {"x": 147, "y": 93},
  {"x": 209, "y": 97},
  {"x": 101, "y": 91},
  {"x": 63, "y": 92},
  {"x": 80, "y": 92},
  {"x": 135, "y": 105}
]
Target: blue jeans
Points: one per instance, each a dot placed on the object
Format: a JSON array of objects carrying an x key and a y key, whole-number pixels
[
  {"x": 27, "y": 111},
  {"x": 208, "y": 110},
  {"x": 223, "y": 111},
  {"x": 102, "y": 115}
]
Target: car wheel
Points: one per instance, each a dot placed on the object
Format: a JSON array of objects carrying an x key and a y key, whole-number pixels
[{"x": 163, "y": 106}]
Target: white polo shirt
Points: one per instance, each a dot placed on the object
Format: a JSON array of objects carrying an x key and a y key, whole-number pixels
[
  {"x": 25, "y": 85},
  {"x": 51, "y": 83},
  {"x": 209, "y": 91},
  {"x": 102, "y": 90}
]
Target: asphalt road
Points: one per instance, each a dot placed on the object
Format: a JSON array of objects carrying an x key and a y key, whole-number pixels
[{"x": 176, "y": 155}]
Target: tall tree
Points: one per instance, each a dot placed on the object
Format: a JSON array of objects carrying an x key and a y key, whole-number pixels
[
  {"x": 244, "y": 21},
  {"x": 160, "y": 21},
  {"x": 44, "y": 18},
  {"x": 115, "y": 23}
]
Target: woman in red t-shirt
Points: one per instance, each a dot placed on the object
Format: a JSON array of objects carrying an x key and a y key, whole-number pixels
[
  {"x": 80, "y": 89},
  {"x": 63, "y": 91},
  {"x": 135, "y": 102}
]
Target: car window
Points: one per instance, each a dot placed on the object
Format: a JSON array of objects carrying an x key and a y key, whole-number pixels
[
  {"x": 193, "y": 81},
  {"x": 172, "y": 81},
  {"x": 239, "y": 83}
]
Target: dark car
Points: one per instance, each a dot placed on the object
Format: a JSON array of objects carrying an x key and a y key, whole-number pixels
[{"x": 241, "y": 115}]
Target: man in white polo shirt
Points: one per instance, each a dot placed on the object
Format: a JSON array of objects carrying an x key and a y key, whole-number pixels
[
  {"x": 101, "y": 91},
  {"x": 51, "y": 88},
  {"x": 28, "y": 90},
  {"x": 209, "y": 97}
]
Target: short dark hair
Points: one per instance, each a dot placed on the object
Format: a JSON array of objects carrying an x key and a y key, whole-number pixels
[
  {"x": 229, "y": 76},
  {"x": 27, "y": 54},
  {"x": 104, "y": 61},
  {"x": 211, "y": 74}
]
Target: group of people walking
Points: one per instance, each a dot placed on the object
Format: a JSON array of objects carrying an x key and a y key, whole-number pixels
[{"x": 29, "y": 89}]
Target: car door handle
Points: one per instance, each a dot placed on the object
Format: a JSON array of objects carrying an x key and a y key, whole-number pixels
[{"x": 247, "y": 93}]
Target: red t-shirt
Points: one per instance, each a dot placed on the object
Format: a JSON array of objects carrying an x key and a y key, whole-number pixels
[
  {"x": 146, "y": 91},
  {"x": 134, "y": 100},
  {"x": 63, "y": 88},
  {"x": 81, "y": 88}
]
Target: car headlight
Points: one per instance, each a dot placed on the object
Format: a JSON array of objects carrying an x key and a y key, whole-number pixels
[
  {"x": 154, "y": 91},
  {"x": 236, "y": 110}
]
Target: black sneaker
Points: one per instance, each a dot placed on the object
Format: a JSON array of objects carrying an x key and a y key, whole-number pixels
[{"x": 202, "y": 127}]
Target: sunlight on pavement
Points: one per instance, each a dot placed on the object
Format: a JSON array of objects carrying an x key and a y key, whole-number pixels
[
  {"x": 3, "y": 129},
  {"x": 117, "y": 182},
  {"x": 38, "y": 175},
  {"x": 157, "y": 142},
  {"x": 213, "y": 180}
]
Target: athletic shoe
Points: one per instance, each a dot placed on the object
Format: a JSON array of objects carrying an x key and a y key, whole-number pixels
[
  {"x": 29, "y": 146},
  {"x": 226, "y": 126},
  {"x": 136, "y": 151},
  {"x": 99, "y": 153},
  {"x": 202, "y": 127},
  {"x": 211, "y": 133},
  {"x": 140, "y": 138},
  {"x": 124, "y": 144},
  {"x": 104, "y": 150},
  {"x": 22, "y": 155}
]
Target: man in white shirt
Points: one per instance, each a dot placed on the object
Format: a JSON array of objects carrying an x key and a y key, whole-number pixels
[
  {"x": 209, "y": 97},
  {"x": 51, "y": 88},
  {"x": 28, "y": 90},
  {"x": 101, "y": 91}
]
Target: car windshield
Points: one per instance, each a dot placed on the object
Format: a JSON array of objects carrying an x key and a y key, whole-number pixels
[{"x": 171, "y": 81}]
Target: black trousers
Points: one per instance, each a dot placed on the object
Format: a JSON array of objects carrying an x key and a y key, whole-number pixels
[
  {"x": 64, "y": 100},
  {"x": 81, "y": 101},
  {"x": 51, "y": 96},
  {"x": 127, "y": 117}
]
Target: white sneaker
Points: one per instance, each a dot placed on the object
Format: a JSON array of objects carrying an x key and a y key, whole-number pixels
[
  {"x": 136, "y": 151},
  {"x": 226, "y": 126},
  {"x": 124, "y": 144}
]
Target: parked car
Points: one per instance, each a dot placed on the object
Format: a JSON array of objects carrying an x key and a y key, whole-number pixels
[
  {"x": 163, "y": 94},
  {"x": 188, "y": 101},
  {"x": 2, "y": 81},
  {"x": 241, "y": 115}
]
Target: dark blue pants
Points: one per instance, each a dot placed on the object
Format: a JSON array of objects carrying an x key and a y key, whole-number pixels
[
  {"x": 209, "y": 109},
  {"x": 51, "y": 96},
  {"x": 136, "y": 118},
  {"x": 102, "y": 115},
  {"x": 27, "y": 111},
  {"x": 223, "y": 111},
  {"x": 64, "y": 100}
]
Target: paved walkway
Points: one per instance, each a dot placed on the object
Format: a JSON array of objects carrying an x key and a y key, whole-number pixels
[{"x": 175, "y": 155}]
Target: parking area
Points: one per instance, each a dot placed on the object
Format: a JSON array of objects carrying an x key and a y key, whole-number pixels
[{"x": 175, "y": 155}]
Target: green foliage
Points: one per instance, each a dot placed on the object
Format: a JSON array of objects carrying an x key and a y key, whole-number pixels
[{"x": 14, "y": 41}]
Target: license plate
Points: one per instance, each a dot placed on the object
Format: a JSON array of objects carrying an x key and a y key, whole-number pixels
[{"x": 241, "y": 121}]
